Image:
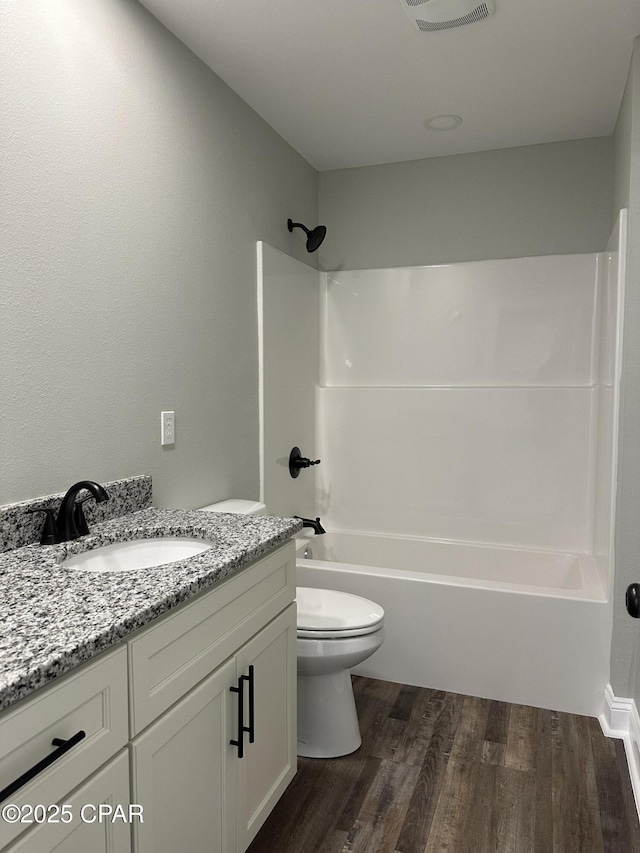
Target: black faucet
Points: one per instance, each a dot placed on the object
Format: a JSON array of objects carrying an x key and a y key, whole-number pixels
[
  {"x": 71, "y": 523},
  {"x": 314, "y": 525}
]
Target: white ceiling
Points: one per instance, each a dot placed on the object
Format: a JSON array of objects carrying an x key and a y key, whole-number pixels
[{"x": 350, "y": 82}]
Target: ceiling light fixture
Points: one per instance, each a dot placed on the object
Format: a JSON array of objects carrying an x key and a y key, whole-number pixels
[{"x": 442, "y": 122}]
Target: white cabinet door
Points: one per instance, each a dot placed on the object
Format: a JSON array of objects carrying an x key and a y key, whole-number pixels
[
  {"x": 87, "y": 832},
  {"x": 185, "y": 773},
  {"x": 269, "y": 763}
]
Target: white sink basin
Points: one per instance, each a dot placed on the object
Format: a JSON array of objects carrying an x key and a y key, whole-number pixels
[{"x": 138, "y": 554}]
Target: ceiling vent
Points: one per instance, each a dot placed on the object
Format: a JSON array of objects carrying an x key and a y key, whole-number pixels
[{"x": 432, "y": 15}]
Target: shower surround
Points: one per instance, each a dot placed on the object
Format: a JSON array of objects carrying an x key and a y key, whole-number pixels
[
  {"x": 465, "y": 416},
  {"x": 460, "y": 402}
]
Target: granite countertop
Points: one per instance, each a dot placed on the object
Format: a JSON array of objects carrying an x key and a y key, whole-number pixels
[{"x": 56, "y": 618}]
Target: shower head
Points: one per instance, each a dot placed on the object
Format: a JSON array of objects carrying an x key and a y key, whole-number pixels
[{"x": 314, "y": 238}]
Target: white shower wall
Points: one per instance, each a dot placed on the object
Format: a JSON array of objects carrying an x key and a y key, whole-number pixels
[
  {"x": 516, "y": 322},
  {"x": 461, "y": 401},
  {"x": 288, "y": 327},
  {"x": 612, "y": 278},
  {"x": 474, "y": 402}
]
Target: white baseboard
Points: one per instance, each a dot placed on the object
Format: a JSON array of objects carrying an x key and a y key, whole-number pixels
[{"x": 620, "y": 719}]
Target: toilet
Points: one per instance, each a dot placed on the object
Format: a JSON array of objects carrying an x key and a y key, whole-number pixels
[{"x": 336, "y": 631}]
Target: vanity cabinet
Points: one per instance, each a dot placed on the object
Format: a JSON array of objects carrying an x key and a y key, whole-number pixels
[
  {"x": 200, "y": 790},
  {"x": 197, "y": 710},
  {"x": 208, "y": 777}
]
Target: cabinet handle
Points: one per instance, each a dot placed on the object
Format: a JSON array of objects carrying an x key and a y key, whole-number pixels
[
  {"x": 251, "y": 727},
  {"x": 241, "y": 726},
  {"x": 240, "y": 742},
  {"x": 62, "y": 746}
]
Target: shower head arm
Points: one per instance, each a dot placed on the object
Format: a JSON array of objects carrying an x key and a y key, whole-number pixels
[
  {"x": 291, "y": 225},
  {"x": 314, "y": 237}
]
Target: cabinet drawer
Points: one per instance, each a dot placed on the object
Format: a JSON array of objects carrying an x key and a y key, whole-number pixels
[
  {"x": 170, "y": 657},
  {"x": 92, "y": 700},
  {"x": 87, "y": 831}
]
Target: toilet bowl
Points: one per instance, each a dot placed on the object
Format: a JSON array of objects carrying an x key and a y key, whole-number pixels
[{"x": 336, "y": 631}]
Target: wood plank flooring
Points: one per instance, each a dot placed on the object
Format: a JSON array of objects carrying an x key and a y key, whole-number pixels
[{"x": 443, "y": 772}]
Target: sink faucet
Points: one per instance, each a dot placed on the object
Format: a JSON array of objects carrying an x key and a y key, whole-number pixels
[
  {"x": 314, "y": 525},
  {"x": 71, "y": 523}
]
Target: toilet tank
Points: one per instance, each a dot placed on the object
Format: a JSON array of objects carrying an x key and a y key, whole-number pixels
[{"x": 237, "y": 506}]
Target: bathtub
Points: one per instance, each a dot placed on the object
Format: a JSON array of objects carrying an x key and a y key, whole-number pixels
[{"x": 516, "y": 625}]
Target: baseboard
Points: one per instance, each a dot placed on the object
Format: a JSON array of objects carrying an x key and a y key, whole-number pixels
[{"x": 620, "y": 719}]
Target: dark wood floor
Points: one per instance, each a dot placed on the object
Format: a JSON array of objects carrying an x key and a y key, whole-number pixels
[{"x": 444, "y": 772}]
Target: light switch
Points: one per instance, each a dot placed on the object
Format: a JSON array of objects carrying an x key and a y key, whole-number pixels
[{"x": 168, "y": 427}]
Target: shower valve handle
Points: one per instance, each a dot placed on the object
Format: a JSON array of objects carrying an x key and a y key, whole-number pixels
[
  {"x": 303, "y": 462},
  {"x": 297, "y": 461}
]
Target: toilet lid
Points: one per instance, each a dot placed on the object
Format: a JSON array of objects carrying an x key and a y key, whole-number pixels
[{"x": 328, "y": 610}]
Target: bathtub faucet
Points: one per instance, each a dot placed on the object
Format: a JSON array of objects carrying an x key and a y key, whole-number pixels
[{"x": 314, "y": 525}]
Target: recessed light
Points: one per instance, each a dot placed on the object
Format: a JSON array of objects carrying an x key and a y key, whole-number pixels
[{"x": 443, "y": 122}]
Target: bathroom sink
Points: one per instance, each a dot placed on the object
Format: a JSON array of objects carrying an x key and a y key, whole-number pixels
[{"x": 138, "y": 554}]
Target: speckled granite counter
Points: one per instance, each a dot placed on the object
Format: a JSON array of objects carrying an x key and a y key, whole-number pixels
[{"x": 56, "y": 618}]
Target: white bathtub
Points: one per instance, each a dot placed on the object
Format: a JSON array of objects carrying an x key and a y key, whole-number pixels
[{"x": 523, "y": 626}]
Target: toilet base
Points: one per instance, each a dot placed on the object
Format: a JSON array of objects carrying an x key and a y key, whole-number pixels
[{"x": 327, "y": 717}]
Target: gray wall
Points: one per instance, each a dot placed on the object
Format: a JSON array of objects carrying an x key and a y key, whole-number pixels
[
  {"x": 625, "y": 674},
  {"x": 513, "y": 202},
  {"x": 135, "y": 184}
]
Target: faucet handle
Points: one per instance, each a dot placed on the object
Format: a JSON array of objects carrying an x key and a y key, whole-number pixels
[
  {"x": 49, "y": 534},
  {"x": 298, "y": 461}
]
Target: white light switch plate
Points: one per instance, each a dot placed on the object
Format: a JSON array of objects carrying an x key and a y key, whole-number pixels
[{"x": 168, "y": 426}]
